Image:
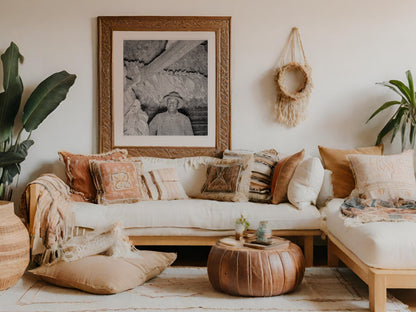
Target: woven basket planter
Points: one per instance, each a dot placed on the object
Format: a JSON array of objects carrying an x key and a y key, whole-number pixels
[{"x": 14, "y": 246}]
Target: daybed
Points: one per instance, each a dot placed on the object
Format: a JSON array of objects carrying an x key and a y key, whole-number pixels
[
  {"x": 190, "y": 221},
  {"x": 382, "y": 254}
]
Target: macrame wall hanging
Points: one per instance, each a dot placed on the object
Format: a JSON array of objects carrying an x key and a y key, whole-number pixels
[{"x": 293, "y": 81}]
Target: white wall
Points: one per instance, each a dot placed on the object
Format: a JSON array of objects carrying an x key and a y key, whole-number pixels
[{"x": 350, "y": 45}]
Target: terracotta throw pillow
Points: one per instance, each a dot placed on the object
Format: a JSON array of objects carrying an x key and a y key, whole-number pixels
[
  {"x": 77, "y": 169},
  {"x": 384, "y": 177},
  {"x": 283, "y": 172},
  {"x": 336, "y": 161},
  {"x": 106, "y": 275},
  {"x": 118, "y": 181},
  {"x": 228, "y": 179}
]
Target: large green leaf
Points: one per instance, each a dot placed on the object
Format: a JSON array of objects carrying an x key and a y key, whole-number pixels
[
  {"x": 13, "y": 89},
  {"x": 403, "y": 89},
  {"x": 403, "y": 132},
  {"x": 383, "y": 107},
  {"x": 16, "y": 154},
  {"x": 398, "y": 120},
  {"x": 412, "y": 135},
  {"x": 10, "y": 60},
  {"x": 411, "y": 88},
  {"x": 386, "y": 129},
  {"x": 45, "y": 98},
  {"x": 9, "y": 172}
]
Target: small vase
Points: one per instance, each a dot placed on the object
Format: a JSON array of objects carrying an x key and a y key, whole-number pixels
[
  {"x": 14, "y": 246},
  {"x": 263, "y": 231},
  {"x": 239, "y": 230}
]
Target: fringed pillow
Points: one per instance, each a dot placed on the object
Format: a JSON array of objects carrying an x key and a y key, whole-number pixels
[
  {"x": 77, "y": 169},
  {"x": 228, "y": 179},
  {"x": 118, "y": 181}
]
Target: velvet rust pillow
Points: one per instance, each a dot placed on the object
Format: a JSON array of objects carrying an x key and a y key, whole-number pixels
[
  {"x": 336, "y": 161},
  {"x": 77, "y": 170},
  {"x": 118, "y": 181},
  {"x": 283, "y": 173}
]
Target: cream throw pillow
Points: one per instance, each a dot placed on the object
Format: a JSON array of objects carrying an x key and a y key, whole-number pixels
[
  {"x": 106, "y": 275},
  {"x": 306, "y": 183},
  {"x": 384, "y": 177}
]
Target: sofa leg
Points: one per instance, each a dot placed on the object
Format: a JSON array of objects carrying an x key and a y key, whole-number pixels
[
  {"x": 377, "y": 292},
  {"x": 333, "y": 260},
  {"x": 308, "y": 250}
]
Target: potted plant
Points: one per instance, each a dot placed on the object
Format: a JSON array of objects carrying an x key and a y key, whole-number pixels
[
  {"x": 41, "y": 102},
  {"x": 404, "y": 117},
  {"x": 241, "y": 225}
]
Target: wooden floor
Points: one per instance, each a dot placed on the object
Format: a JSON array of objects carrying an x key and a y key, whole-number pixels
[{"x": 198, "y": 255}]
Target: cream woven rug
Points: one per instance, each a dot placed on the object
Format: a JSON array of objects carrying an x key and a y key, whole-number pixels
[{"x": 188, "y": 289}]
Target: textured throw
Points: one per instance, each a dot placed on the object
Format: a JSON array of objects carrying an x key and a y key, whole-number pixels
[
  {"x": 53, "y": 219},
  {"x": 188, "y": 289},
  {"x": 359, "y": 210}
]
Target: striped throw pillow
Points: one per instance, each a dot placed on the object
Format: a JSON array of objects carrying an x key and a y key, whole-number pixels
[
  {"x": 261, "y": 172},
  {"x": 164, "y": 184}
]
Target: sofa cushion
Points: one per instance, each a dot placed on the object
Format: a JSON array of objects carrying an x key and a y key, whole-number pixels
[
  {"x": 385, "y": 245},
  {"x": 191, "y": 170},
  {"x": 336, "y": 161},
  {"x": 118, "y": 181},
  {"x": 261, "y": 172},
  {"x": 168, "y": 184},
  {"x": 228, "y": 179},
  {"x": 77, "y": 170},
  {"x": 282, "y": 175},
  {"x": 306, "y": 183},
  {"x": 195, "y": 213},
  {"x": 384, "y": 177},
  {"x": 106, "y": 275}
]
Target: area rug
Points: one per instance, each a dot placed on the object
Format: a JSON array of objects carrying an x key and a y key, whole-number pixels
[{"x": 188, "y": 289}]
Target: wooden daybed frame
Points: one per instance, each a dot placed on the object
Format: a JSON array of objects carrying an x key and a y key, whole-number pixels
[
  {"x": 305, "y": 236},
  {"x": 378, "y": 280}
]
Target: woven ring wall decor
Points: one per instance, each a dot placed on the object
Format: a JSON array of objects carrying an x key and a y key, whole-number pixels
[{"x": 305, "y": 81}]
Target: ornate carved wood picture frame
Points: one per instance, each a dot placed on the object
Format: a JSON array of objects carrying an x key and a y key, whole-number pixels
[{"x": 149, "y": 64}]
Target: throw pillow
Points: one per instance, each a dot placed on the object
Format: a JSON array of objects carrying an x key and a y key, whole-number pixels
[
  {"x": 336, "y": 161},
  {"x": 327, "y": 192},
  {"x": 306, "y": 183},
  {"x": 261, "y": 173},
  {"x": 106, "y": 275},
  {"x": 228, "y": 179},
  {"x": 384, "y": 177},
  {"x": 118, "y": 181},
  {"x": 282, "y": 174},
  {"x": 77, "y": 169},
  {"x": 164, "y": 184}
]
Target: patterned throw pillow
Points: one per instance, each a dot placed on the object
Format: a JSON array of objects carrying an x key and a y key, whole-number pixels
[
  {"x": 228, "y": 179},
  {"x": 384, "y": 177},
  {"x": 77, "y": 169},
  {"x": 261, "y": 173},
  {"x": 283, "y": 173},
  {"x": 164, "y": 184},
  {"x": 336, "y": 161},
  {"x": 118, "y": 181}
]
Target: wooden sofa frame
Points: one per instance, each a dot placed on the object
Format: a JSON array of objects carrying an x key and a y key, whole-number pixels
[
  {"x": 378, "y": 280},
  {"x": 306, "y": 236}
]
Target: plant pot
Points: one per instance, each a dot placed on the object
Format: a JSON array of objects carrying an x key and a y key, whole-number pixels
[
  {"x": 239, "y": 230},
  {"x": 14, "y": 246}
]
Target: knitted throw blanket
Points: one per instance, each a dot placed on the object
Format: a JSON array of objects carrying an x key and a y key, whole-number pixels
[{"x": 359, "y": 210}]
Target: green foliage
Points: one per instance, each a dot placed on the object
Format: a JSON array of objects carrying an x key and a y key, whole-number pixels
[
  {"x": 404, "y": 118},
  {"x": 242, "y": 220},
  {"x": 43, "y": 100}
]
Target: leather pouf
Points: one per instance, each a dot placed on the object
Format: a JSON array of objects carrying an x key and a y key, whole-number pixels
[
  {"x": 244, "y": 271},
  {"x": 14, "y": 246}
]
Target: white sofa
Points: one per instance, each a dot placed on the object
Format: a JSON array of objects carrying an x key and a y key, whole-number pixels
[{"x": 194, "y": 221}]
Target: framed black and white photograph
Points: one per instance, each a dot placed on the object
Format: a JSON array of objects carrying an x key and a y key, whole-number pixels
[{"x": 164, "y": 85}]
